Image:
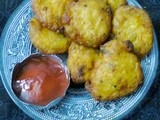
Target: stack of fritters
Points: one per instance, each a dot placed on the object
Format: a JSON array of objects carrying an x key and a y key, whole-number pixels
[
  {"x": 46, "y": 29},
  {"x": 105, "y": 40}
]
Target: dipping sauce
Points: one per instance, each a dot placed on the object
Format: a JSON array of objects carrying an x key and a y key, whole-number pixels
[{"x": 40, "y": 80}]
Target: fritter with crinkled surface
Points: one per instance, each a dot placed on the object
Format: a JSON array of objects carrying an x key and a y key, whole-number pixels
[
  {"x": 134, "y": 24},
  {"x": 47, "y": 41},
  {"x": 116, "y": 73},
  {"x": 80, "y": 62},
  {"x": 50, "y": 12},
  {"x": 88, "y": 22}
]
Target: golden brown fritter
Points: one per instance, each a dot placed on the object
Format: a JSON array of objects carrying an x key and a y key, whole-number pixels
[
  {"x": 114, "y": 4},
  {"x": 117, "y": 72},
  {"x": 50, "y": 12},
  {"x": 116, "y": 46},
  {"x": 47, "y": 41},
  {"x": 88, "y": 22},
  {"x": 80, "y": 62},
  {"x": 134, "y": 24}
]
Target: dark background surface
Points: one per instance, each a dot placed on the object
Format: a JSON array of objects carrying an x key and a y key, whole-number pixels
[{"x": 149, "y": 109}]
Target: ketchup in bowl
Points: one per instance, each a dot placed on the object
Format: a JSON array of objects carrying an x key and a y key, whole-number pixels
[{"x": 40, "y": 79}]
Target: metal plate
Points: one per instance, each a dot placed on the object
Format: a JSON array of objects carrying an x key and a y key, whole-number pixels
[{"x": 77, "y": 104}]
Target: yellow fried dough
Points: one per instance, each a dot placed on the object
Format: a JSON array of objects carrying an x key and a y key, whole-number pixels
[
  {"x": 114, "y": 4},
  {"x": 50, "y": 12},
  {"x": 116, "y": 73},
  {"x": 88, "y": 22},
  {"x": 134, "y": 24},
  {"x": 80, "y": 62},
  {"x": 47, "y": 41}
]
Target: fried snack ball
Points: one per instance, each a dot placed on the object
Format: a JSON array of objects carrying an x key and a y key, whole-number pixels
[
  {"x": 50, "y": 12},
  {"x": 134, "y": 24},
  {"x": 88, "y": 22},
  {"x": 47, "y": 41},
  {"x": 117, "y": 72},
  {"x": 114, "y": 4},
  {"x": 80, "y": 62}
]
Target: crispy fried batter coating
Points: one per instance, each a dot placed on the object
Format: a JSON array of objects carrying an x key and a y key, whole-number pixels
[
  {"x": 47, "y": 41},
  {"x": 50, "y": 12},
  {"x": 80, "y": 62},
  {"x": 114, "y": 4},
  {"x": 88, "y": 22},
  {"x": 134, "y": 24},
  {"x": 116, "y": 73},
  {"x": 116, "y": 46}
]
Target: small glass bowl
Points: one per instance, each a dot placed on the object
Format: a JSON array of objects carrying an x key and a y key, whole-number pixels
[{"x": 18, "y": 67}]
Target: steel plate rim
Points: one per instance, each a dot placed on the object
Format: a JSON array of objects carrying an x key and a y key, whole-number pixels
[{"x": 3, "y": 35}]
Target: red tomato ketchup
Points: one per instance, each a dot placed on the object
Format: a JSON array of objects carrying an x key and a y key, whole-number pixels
[{"x": 40, "y": 80}]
